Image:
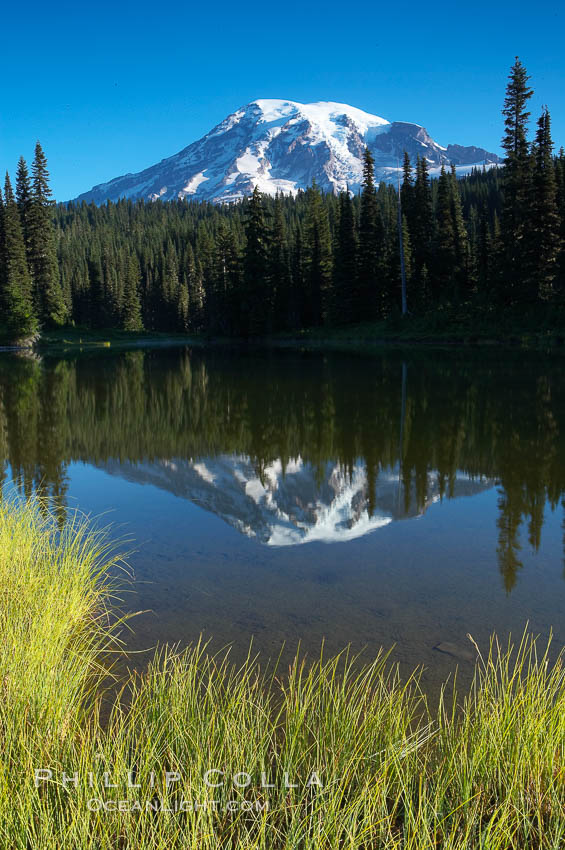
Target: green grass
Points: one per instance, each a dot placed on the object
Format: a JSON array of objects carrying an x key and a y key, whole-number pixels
[{"x": 487, "y": 773}]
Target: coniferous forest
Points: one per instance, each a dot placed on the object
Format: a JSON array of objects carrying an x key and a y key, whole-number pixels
[{"x": 491, "y": 242}]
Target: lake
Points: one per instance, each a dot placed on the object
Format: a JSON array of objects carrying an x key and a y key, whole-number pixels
[{"x": 401, "y": 497}]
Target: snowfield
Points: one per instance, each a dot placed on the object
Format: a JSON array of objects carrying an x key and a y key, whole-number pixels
[{"x": 282, "y": 146}]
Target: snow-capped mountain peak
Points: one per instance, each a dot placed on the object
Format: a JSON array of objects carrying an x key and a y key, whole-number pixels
[
  {"x": 282, "y": 146},
  {"x": 292, "y": 505},
  {"x": 326, "y": 116}
]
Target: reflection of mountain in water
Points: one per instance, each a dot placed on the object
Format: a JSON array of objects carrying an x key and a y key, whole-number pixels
[{"x": 299, "y": 504}]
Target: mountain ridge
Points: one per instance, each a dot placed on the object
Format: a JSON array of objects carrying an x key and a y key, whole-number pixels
[{"x": 282, "y": 146}]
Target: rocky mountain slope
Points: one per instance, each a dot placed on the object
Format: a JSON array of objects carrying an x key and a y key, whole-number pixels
[{"x": 282, "y": 146}]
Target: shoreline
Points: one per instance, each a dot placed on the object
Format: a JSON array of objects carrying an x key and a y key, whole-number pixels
[
  {"x": 358, "y": 339},
  {"x": 412, "y": 333}
]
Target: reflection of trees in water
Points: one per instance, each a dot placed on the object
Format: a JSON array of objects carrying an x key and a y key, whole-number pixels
[{"x": 454, "y": 413}]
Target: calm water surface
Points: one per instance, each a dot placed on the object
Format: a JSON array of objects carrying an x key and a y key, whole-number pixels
[{"x": 398, "y": 498}]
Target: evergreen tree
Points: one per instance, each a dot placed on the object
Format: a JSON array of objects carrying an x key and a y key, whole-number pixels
[
  {"x": 408, "y": 254},
  {"x": 256, "y": 301},
  {"x": 48, "y": 294},
  {"x": 560, "y": 182},
  {"x": 205, "y": 252},
  {"x": 97, "y": 316},
  {"x": 24, "y": 201},
  {"x": 318, "y": 260},
  {"x": 370, "y": 246},
  {"x": 195, "y": 291},
  {"x": 131, "y": 311},
  {"x": 183, "y": 308},
  {"x": 226, "y": 280},
  {"x": 422, "y": 233},
  {"x": 345, "y": 267},
  {"x": 280, "y": 269},
  {"x": 394, "y": 270},
  {"x": 544, "y": 237},
  {"x": 445, "y": 251},
  {"x": 2, "y": 253},
  {"x": 170, "y": 286},
  {"x": 407, "y": 190},
  {"x": 15, "y": 281},
  {"x": 461, "y": 270},
  {"x": 483, "y": 270},
  {"x": 516, "y": 181},
  {"x": 297, "y": 309}
]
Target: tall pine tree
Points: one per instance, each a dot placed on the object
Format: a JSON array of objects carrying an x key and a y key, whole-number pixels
[
  {"x": 318, "y": 260},
  {"x": 407, "y": 190},
  {"x": 48, "y": 293},
  {"x": 370, "y": 246},
  {"x": 422, "y": 233},
  {"x": 544, "y": 237},
  {"x": 280, "y": 269},
  {"x": 256, "y": 303},
  {"x": 15, "y": 282},
  {"x": 516, "y": 183},
  {"x": 461, "y": 272},
  {"x": 345, "y": 267},
  {"x": 444, "y": 253},
  {"x": 131, "y": 309},
  {"x": 24, "y": 201}
]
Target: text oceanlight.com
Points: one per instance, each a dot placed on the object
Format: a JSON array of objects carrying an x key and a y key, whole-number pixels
[
  {"x": 98, "y": 804},
  {"x": 164, "y": 789}
]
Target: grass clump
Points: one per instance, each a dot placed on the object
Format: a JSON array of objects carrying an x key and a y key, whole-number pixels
[{"x": 200, "y": 753}]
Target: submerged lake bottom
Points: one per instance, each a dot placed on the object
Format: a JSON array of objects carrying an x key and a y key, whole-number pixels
[{"x": 285, "y": 499}]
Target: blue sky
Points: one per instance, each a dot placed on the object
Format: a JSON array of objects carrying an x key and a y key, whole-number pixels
[{"x": 109, "y": 89}]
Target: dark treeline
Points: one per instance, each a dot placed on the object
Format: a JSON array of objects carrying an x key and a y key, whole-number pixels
[
  {"x": 455, "y": 414},
  {"x": 30, "y": 289},
  {"x": 492, "y": 241}
]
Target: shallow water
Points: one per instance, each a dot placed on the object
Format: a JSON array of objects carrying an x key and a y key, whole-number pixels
[{"x": 403, "y": 498}]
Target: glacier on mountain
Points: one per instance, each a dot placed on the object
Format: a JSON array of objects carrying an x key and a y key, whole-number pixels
[
  {"x": 282, "y": 146},
  {"x": 294, "y": 503}
]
